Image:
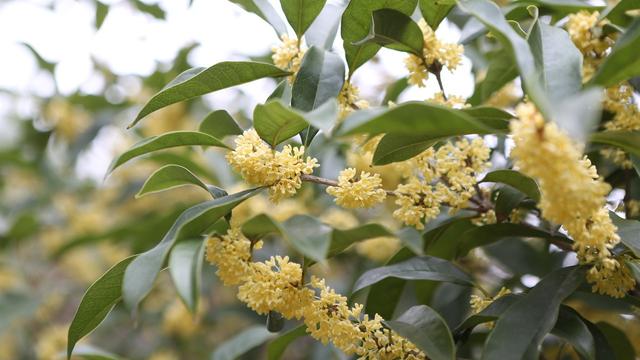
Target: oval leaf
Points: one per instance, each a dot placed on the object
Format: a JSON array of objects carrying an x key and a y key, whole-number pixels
[
  {"x": 424, "y": 327},
  {"x": 623, "y": 62},
  {"x": 241, "y": 343},
  {"x": 417, "y": 268},
  {"x": 434, "y": 11},
  {"x": 96, "y": 303},
  {"x": 277, "y": 347},
  {"x": 515, "y": 179},
  {"x": 395, "y": 30},
  {"x": 172, "y": 176},
  {"x": 185, "y": 267},
  {"x": 142, "y": 272},
  {"x": 275, "y": 123},
  {"x": 165, "y": 141},
  {"x": 301, "y": 13},
  {"x": 194, "y": 83},
  {"x": 219, "y": 124},
  {"x": 628, "y": 141},
  {"x": 308, "y": 236}
]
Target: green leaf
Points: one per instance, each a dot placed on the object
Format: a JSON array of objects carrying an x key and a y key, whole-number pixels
[
  {"x": 490, "y": 15},
  {"x": 424, "y": 327},
  {"x": 501, "y": 70},
  {"x": 356, "y": 24},
  {"x": 616, "y": 13},
  {"x": 263, "y": 9},
  {"x": 417, "y": 119},
  {"x": 219, "y": 124},
  {"x": 571, "y": 327},
  {"x": 579, "y": 115},
  {"x": 559, "y": 59},
  {"x": 308, "y": 236},
  {"x": 629, "y": 232},
  {"x": 259, "y": 226},
  {"x": 165, "y": 141},
  {"x": 384, "y": 295},
  {"x": 490, "y": 116},
  {"x": 102, "y": 11},
  {"x": 635, "y": 160},
  {"x": 185, "y": 267},
  {"x": 395, "y": 30},
  {"x": 417, "y": 268},
  {"x": 623, "y": 62},
  {"x": 141, "y": 273},
  {"x": 241, "y": 343},
  {"x": 394, "y": 90},
  {"x": 628, "y": 141},
  {"x": 199, "y": 81},
  {"x": 515, "y": 179},
  {"x": 393, "y": 148},
  {"x": 277, "y": 347},
  {"x": 96, "y": 303},
  {"x": 622, "y": 347},
  {"x": 301, "y": 13},
  {"x": 320, "y": 78},
  {"x": 152, "y": 9},
  {"x": 434, "y": 11},
  {"x": 488, "y": 234},
  {"x": 532, "y": 316},
  {"x": 490, "y": 313},
  {"x": 276, "y": 123},
  {"x": 172, "y": 176},
  {"x": 342, "y": 239},
  {"x": 322, "y": 32}
]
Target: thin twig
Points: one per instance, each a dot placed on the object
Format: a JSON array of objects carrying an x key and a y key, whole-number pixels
[{"x": 329, "y": 182}]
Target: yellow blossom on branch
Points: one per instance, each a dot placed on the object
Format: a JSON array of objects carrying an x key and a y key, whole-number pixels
[
  {"x": 261, "y": 165},
  {"x": 572, "y": 195},
  {"x": 277, "y": 285},
  {"x": 434, "y": 52},
  {"x": 349, "y": 100},
  {"x": 361, "y": 191}
]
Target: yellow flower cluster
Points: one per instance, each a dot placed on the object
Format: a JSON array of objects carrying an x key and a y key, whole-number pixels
[
  {"x": 446, "y": 176},
  {"x": 349, "y": 100},
  {"x": 288, "y": 55},
  {"x": 259, "y": 164},
  {"x": 620, "y": 102},
  {"x": 434, "y": 52},
  {"x": 480, "y": 302},
  {"x": 452, "y": 101},
  {"x": 572, "y": 195},
  {"x": 586, "y": 33},
  {"x": 361, "y": 191},
  {"x": 277, "y": 285}
]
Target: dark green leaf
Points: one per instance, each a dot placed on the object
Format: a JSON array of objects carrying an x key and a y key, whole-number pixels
[
  {"x": 196, "y": 82},
  {"x": 616, "y": 12},
  {"x": 394, "y": 90},
  {"x": 241, "y": 343},
  {"x": 356, "y": 24},
  {"x": 219, "y": 124},
  {"x": 629, "y": 232},
  {"x": 417, "y": 119},
  {"x": 96, "y": 303},
  {"x": 532, "y": 316},
  {"x": 152, "y": 9},
  {"x": 490, "y": 313},
  {"x": 628, "y": 141},
  {"x": 502, "y": 69},
  {"x": 320, "y": 78},
  {"x": 393, "y": 148},
  {"x": 342, "y": 239},
  {"x": 276, "y": 123},
  {"x": 424, "y": 327},
  {"x": 165, "y": 141},
  {"x": 277, "y": 347},
  {"x": 141, "y": 273},
  {"x": 259, "y": 226},
  {"x": 434, "y": 11},
  {"x": 417, "y": 268},
  {"x": 622, "y": 347},
  {"x": 623, "y": 62},
  {"x": 572, "y": 328},
  {"x": 384, "y": 295},
  {"x": 185, "y": 267},
  {"x": 559, "y": 59},
  {"x": 263, "y": 9},
  {"x": 101, "y": 13},
  {"x": 395, "y": 30},
  {"x": 516, "y": 179},
  {"x": 172, "y": 176},
  {"x": 308, "y": 236},
  {"x": 301, "y": 13}
]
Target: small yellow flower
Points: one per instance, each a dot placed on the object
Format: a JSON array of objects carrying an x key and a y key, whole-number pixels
[
  {"x": 349, "y": 100},
  {"x": 445, "y": 54},
  {"x": 288, "y": 55},
  {"x": 260, "y": 165},
  {"x": 452, "y": 101},
  {"x": 362, "y": 192}
]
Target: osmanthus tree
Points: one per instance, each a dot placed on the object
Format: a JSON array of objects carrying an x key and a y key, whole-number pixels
[{"x": 475, "y": 197}]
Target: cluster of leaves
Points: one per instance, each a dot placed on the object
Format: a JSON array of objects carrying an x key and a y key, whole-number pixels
[{"x": 433, "y": 272}]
